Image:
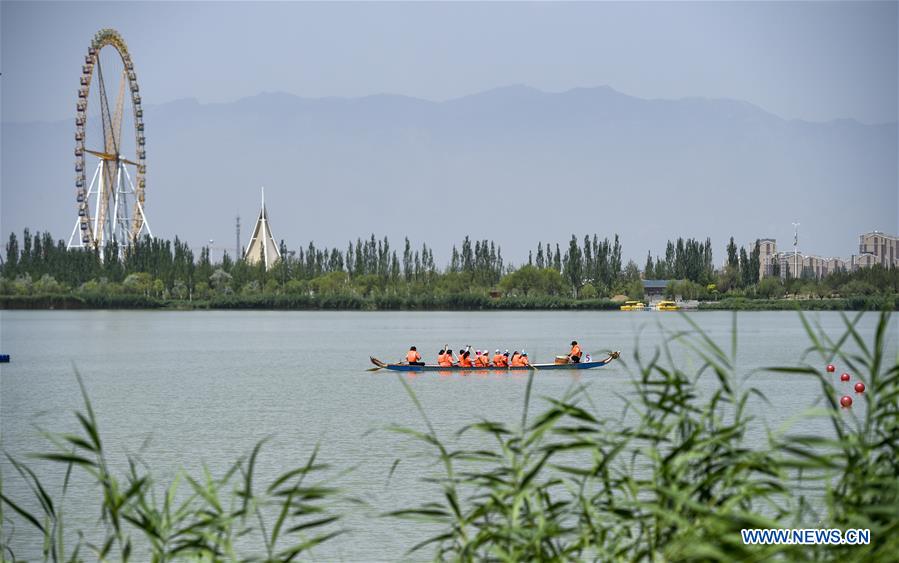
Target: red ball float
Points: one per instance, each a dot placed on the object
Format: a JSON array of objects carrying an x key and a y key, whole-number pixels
[
  {"x": 844, "y": 377},
  {"x": 859, "y": 387},
  {"x": 846, "y": 401},
  {"x": 831, "y": 368}
]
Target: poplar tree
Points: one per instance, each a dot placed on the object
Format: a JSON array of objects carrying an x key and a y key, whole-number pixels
[{"x": 732, "y": 259}]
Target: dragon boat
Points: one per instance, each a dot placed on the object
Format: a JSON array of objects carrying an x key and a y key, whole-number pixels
[{"x": 538, "y": 367}]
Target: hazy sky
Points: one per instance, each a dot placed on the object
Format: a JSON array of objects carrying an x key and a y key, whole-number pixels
[{"x": 815, "y": 61}]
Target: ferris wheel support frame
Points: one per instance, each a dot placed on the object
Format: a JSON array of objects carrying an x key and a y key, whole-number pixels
[{"x": 108, "y": 187}]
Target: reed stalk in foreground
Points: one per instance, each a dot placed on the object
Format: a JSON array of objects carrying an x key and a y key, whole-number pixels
[
  {"x": 672, "y": 478},
  {"x": 286, "y": 517}
]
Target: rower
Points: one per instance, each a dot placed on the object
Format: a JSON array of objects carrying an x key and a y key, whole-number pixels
[
  {"x": 445, "y": 359},
  {"x": 575, "y": 355},
  {"x": 524, "y": 359},
  {"x": 482, "y": 360},
  {"x": 413, "y": 358},
  {"x": 515, "y": 358},
  {"x": 499, "y": 360},
  {"x": 465, "y": 359}
]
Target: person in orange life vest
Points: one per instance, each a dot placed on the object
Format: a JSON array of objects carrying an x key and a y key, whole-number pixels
[
  {"x": 506, "y": 361},
  {"x": 498, "y": 360},
  {"x": 444, "y": 359},
  {"x": 482, "y": 360},
  {"x": 524, "y": 359},
  {"x": 575, "y": 354},
  {"x": 413, "y": 358},
  {"x": 515, "y": 357},
  {"x": 465, "y": 360}
]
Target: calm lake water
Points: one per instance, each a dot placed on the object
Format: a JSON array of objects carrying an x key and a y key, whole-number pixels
[{"x": 187, "y": 388}]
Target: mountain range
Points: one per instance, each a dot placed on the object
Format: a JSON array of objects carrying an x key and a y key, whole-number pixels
[{"x": 513, "y": 164}]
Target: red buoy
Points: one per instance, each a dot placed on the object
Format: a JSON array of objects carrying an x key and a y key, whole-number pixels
[
  {"x": 846, "y": 401},
  {"x": 844, "y": 377},
  {"x": 830, "y": 368},
  {"x": 859, "y": 387}
]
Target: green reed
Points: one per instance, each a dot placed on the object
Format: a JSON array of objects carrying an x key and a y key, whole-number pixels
[
  {"x": 669, "y": 478},
  {"x": 287, "y": 516},
  {"x": 672, "y": 478}
]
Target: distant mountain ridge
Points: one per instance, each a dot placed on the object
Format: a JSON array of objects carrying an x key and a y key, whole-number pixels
[{"x": 514, "y": 164}]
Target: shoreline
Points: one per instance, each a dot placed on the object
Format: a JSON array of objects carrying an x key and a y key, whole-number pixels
[{"x": 460, "y": 302}]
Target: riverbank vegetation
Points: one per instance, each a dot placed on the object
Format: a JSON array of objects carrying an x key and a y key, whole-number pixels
[
  {"x": 370, "y": 274},
  {"x": 673, "y": 476}
]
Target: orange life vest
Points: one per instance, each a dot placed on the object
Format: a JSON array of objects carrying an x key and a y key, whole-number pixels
[
  {"x": 483, "y": 361},
  {"x": 524, "y": 361},
  {"x": 575, "y": 351},
  {"x": 499, "y": 360},
  {"x": 445, "y": 360},
  {"x": 515, "y": 357},
  {"x": 465, "y": 361},
  {"x": 413, "y": 356}
]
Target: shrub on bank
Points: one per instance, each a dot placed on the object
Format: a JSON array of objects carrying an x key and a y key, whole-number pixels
[{"x": 858, "y": 303}]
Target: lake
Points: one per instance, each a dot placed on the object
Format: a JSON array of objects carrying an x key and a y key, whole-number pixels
[{"x": 186, "y": 388}]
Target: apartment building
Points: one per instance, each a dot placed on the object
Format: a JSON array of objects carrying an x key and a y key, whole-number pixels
[
  {"x": 876, "y": 247},
  {"x": 767, "y": 252}
]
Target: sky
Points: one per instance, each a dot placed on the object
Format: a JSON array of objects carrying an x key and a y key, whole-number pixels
[
  {"x": 813, "y": 61},
  {"x": 807, "y": 60}
]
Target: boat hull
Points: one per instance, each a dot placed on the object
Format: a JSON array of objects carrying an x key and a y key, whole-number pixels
[{"x": 537, "y": 367}]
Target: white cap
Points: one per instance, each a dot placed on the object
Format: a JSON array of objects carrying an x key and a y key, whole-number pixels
[
  {"x": 523, "y": 352},
  {"x": 497, "y": 350}
]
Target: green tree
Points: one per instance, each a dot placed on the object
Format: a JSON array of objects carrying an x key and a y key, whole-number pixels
[
  {"x": 10, "y": 268},
  {"x": 220, "y": 280},
  {"x": 573, "y": 266},
  {"x": 770, "y": 288},
  {"x": 745, "y": 269},
  {"x": 523, "y": 281},
  {"x": 649, "y": 268},
  {"x": 732, "y": 259}
]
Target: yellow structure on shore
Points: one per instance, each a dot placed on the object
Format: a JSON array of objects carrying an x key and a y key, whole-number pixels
[{"x": 633, "y": 306}]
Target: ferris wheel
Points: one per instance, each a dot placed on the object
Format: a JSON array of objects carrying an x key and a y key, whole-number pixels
[{"x": 111, "y": 206}]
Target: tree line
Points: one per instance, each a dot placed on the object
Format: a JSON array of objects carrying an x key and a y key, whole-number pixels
[{"x": 587, "y": 268}]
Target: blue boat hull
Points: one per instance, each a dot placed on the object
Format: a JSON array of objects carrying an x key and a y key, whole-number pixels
[{"x": 537, "y": 367}]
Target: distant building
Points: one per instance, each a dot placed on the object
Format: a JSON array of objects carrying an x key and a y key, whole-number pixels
[
  {"x": 814, "y": 266},
  {"x": 799, "y": 265},
  {"x": 790, "y": 264},
  {"x": 835, "y": 265},
  {"x": 654, "y": 290},
  {"x": 882, "y": 247},
  {"x": 874, "y": 248},
  {"x": 865, "y": 260},
  {"x": 262, "y": 247},
  {"x": 767, "y": 253}
]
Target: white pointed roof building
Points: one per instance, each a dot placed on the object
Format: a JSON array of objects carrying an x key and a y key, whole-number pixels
[{"x": 262, "y": 247}]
